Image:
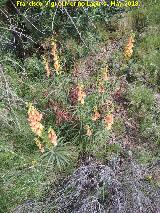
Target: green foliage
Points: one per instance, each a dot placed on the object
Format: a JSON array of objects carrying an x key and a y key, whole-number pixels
[
  {"x": 146, "y": 65},
  {"x": 34, "y": 68},
  {"x": 61, "y": 155},
  {"x": 141, "y": 98},
  {"x": 118, "y": 127},
  {"x": 103, "y": 193},
  {"x": 2, "y": 2},
  {"x": 144, "y": 157},
  {"x": 147, "y": 112}
]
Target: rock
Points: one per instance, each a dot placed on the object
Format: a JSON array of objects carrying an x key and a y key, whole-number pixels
[{"x": 97, "y": 188}]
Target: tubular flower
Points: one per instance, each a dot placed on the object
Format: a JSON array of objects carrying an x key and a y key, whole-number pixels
[
  {"x": 47, "y": 68},
  {"x": 81, "y": 94},
  {"x": 40, "y": 146},
  {"x": 34, "y": 118},
  {"x": 53, "y": 48},
  {"x": 128, "y": 50},
  {"x": 96, "y": 115},
  {"x": 52, "y": 136},
  {"x": 89, "y": 131},
  {"x": 108, "y": 121},
  {"x": 101, "y": 88},
  {"x": 105, "y": 74},
  {"x": 55, "y": 56},
  {"x": 57, "y": 65}
]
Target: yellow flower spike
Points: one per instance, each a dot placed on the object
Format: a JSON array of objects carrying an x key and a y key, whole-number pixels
[
  {"x": 38, "y": 129},
  {"x": 101, "y": 88},
  {"x": 128, "y": 50},
  {"x": 52, "y": 136},
  {"x": 34, "y": 118},
  {"x": 81, "y": 94},
  {"x": 39, "y": 145},
  {"x": 95, "y": 108},
  {"x": 55, "y": 56},
  {"x": 41, "y": 148},
  {"x": 105, "y": 74},
  {"x": 53, "y": 48},
  {"x": 108, "y": 119},
  {"x": 57, "y": 66},
  {"x": 37, "y": 141},
  {"x": 96, "y": 114},
  {"x": 29, "y": 105},
  {"x": 47, "y": 68},
  {"x": 53, "y": 41}
]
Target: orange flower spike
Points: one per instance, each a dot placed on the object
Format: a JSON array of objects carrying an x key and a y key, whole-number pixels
[
  {"x": 52, "y": 136},
  {"x": 55, "y": 56},
  {"x": 105, "y": 74},
  {"x": 47, "y": 68},
  {"x": 39, "y": 117},
  {"x": 109, "y": 121},
  {"x": 81, "y": 94},
  {"x": 56, "y": 65},
  {"x": 128, "y": 50},
  {"x": 101, "y": 88},
  {"x": 96, "y": 115},
  {"x": 38, "y": 129},
  {"x": 89, "y": 131},
  {"x": 53, "y": 48},
  {"x": 34, "y": 118}
]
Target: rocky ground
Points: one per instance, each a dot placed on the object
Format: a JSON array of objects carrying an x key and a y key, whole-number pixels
[{"x": 121, "y": 186}]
